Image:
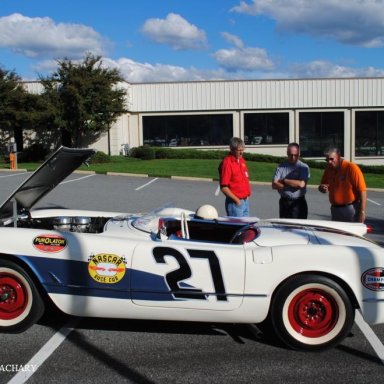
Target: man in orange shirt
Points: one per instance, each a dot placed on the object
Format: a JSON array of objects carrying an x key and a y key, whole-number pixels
[{"x": 345, "y": 184}]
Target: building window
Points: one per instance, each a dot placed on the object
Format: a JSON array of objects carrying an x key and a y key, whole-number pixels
[
  {"x": 266, "y": 128},
  {"x": 320, "y": 130},
  {"x": 187, "y": 130},
  {"x": 369, "y": 128}
]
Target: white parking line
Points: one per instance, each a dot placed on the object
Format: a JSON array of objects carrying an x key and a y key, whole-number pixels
[
  {"x": 145, "y": 185},
  {"x": 50, "y": 346},
  {"x": 375, "y": 342},
  {"x": 79, "y": 178},
  {"x": 14, "y": 174},
  {"x": 373, "y": 202}
]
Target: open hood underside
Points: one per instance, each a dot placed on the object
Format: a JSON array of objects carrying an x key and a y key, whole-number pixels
[{"x": 54, "y": 170}]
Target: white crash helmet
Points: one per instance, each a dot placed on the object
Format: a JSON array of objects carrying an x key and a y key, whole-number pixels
[{"x": 207, "y": 212}]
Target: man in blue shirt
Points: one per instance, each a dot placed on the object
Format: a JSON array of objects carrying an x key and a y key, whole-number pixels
[{"x": 290, "y": 180}]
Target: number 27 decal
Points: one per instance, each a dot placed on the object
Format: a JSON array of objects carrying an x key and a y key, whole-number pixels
[{"x": 184, "y": 272}]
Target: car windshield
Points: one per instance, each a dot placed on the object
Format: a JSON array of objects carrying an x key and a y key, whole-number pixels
[{"x": 149, "y": 222}]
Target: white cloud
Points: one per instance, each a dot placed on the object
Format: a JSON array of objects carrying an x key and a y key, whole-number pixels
[
  {"x": 45, "y": 66},
  {"x": 42, "y": 37},
  {"x": 233, "y": 39},
  {"x": 251, "y": 9},
  {"x": 242, "y": 57},
  {"x": 326, "y": 69},
  {"x": 355, "y": 22},
  {"x": 176, "y": 32},
  {"x": 135, "y": 72}
]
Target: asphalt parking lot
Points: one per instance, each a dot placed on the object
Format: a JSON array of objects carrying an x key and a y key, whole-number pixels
[{"x": 62, "y": 349}]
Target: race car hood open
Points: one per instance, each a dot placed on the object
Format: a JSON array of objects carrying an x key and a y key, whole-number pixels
[{"x": 53, "y": 171}]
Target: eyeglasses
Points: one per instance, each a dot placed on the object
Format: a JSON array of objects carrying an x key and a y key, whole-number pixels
[
  {"x": 292, "y": 155},
  {"x": 329, "y": 158}
]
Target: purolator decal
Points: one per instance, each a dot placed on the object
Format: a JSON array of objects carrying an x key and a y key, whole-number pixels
[
  {"x": 106, "y": 268},
  {"x": 373, "y": 279},
  {"x": 49, "y": 243}
]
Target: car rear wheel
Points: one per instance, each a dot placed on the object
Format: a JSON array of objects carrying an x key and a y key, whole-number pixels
[
  {"x": 20, "y": 302},
  {"x": 312, "y": 313}
]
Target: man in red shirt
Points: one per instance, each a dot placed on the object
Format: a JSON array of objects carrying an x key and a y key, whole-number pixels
[{"x": 234, "y": 180}]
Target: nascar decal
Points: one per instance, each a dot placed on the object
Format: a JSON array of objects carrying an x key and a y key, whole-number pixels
[
  {"x": 373, "y": 279},
  {"x": 49, "y": 243},
  {"x": 106, "y": 268}
]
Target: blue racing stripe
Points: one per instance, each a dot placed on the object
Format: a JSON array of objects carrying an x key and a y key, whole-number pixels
[{"x": 71, "y": 277}]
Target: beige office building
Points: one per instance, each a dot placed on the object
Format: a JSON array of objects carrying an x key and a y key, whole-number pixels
[{"x": 267, "y": 114}]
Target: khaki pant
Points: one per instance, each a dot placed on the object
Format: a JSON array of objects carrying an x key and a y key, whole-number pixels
[{"x": 349, "y": 213}]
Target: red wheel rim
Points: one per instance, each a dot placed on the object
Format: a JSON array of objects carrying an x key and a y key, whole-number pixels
[
  {"x": 313, "y": 313},
  {"x": 13, "y": 297}
]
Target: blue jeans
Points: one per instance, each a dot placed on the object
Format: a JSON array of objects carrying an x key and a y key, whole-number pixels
[{"x": 235, "y": 210}]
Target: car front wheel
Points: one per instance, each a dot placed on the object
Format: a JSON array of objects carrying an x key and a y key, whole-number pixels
[
  {"x": 312, "y": 313},
  {"x": 20, "y": 302}
]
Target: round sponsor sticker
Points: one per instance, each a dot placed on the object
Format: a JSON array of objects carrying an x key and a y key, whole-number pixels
[
  {"x": 106, "y": 268},
  {"x": 49, "y": 243},
  {"x": 373, "y": 279}
]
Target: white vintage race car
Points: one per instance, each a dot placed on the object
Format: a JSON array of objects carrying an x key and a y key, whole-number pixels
[{"x": 305, "y": 278}]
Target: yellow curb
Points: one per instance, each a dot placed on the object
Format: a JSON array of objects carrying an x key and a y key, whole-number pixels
[
  {"x": 13, "y": 170},
  {"x": 191, "y": 178},
  {"x": 375, "y": 189},
  {"x": 85, "y": 172},
  {"x": 126, "y": 174},
  {"x": 260, "y": 182}
]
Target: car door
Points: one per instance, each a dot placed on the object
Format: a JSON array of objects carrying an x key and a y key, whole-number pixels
[{"x": 188, "y": 274}]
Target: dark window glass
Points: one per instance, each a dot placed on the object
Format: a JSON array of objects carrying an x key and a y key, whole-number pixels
[
  {"x": 369, "y": 133},
  {"x": 187, "y": 130},
  {"x": 320, "y": 130},
  {"x": 266, "y": 128}
]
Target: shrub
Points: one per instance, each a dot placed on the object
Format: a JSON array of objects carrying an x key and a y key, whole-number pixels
[
  {"x": 144, "y": 152},
  {"x": 377, "y": 169},
  {"x": 100, "y": 157},
  {"x": 149, "y": 153},
  {"x": 163, "y": 153}
]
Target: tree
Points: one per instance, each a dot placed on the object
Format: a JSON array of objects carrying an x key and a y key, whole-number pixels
[
  {"x": 14, "y": 102},
  {"x": 85, "y": 99}
]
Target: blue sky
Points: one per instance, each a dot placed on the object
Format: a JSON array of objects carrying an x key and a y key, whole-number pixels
[{"x": 189, "y": 40}]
